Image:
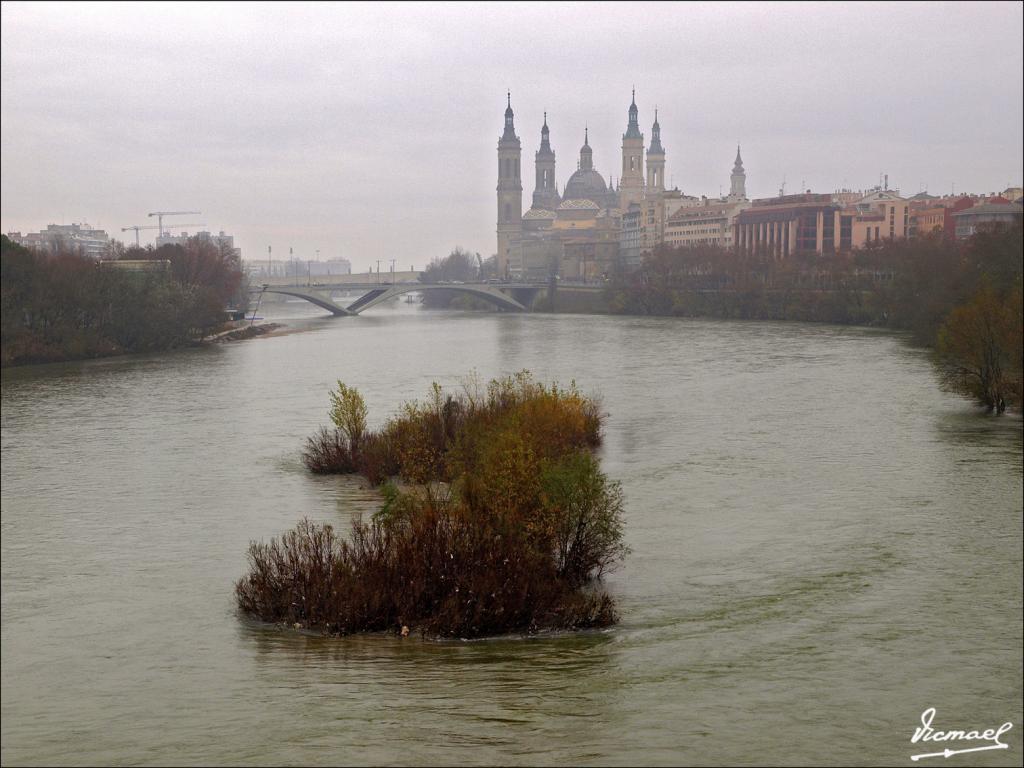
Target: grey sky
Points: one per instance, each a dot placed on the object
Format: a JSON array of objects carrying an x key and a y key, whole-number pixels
[{"x": 369, "y": 131}]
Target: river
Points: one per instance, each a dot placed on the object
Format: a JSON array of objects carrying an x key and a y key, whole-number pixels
[{"x": 824, "y": 545}]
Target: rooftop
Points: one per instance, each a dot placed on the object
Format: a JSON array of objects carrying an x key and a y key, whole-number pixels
[{"x": 578, "y": 205}]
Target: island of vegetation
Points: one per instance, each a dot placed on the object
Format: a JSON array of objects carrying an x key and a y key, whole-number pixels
[{"x": 496, "y": 519}]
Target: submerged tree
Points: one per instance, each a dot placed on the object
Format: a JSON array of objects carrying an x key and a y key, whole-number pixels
[{"x": 979, "y": 349}]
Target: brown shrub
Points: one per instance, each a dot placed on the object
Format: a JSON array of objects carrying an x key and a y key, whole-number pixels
[
  {"x": 508, "y": 526},
  {"x": 327, "y": 453},
  {"x": 442, "y": 571}
]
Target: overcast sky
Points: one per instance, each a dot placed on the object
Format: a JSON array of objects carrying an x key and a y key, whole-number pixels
[{"x": 370, "y": 131}]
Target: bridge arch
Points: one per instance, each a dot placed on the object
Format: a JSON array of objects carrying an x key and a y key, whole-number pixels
[
  {"x": 378, "y": 294},
  {"x": 487, "y": 292},
  {"x": 314, "y": 297}
]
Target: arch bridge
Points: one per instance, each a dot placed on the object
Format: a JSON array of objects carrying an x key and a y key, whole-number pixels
[{"x": 508, "y": 297}]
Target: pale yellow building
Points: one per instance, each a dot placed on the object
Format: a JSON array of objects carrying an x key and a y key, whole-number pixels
[
  {"x": 880, "y": 214},
  {"x": 708, "y": 224}
]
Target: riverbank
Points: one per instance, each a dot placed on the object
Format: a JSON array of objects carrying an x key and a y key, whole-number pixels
[
  {"x": 245, "y": 331},
  {"x": 63, "y": 306}
]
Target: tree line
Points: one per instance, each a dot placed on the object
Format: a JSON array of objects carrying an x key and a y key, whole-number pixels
[
  {"x": 64, "y": 305},
  {"x": 961, "y": 298}
]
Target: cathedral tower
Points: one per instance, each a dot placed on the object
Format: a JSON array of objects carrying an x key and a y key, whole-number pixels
[
  {"x": 655, "y": 161},
  {"x": 738, "y": 188},
  {"x": 544, "y": 194},
  {"x": 631, "y": 182},
  {"x": 586, "y": 153},
  {"x": 510, "y": 190}
]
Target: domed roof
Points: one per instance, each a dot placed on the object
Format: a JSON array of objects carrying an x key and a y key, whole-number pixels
[{"x": 587, "y": 184}]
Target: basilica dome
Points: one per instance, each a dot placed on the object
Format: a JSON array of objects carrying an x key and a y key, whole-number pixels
[{"x": 586, "y": 184}]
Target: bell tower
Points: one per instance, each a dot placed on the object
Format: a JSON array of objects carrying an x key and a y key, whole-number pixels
[
  {"x": 510, "y": 189},
  {"x": 544, "y": 194},
  {"x": 738, "y": 187},
  {"x": 631, "y": 182},
  {"x": 655, "y": 161}
]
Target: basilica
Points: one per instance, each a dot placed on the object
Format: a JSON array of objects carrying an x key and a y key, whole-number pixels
[{"x": 592, "y": 227}]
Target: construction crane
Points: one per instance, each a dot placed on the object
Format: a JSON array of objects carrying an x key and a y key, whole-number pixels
[
  {"x": 160, "y": 217},
  {"x": 169, "y": 226}
]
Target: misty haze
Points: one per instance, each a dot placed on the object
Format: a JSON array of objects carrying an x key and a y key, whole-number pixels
[{"x": 512, "y": 384}]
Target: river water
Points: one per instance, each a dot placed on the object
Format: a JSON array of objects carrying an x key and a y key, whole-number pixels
[{"x": 824, "y": 545}]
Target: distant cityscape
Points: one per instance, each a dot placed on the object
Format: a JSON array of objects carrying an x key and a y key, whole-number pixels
[
  {"x": 591, "y": 226},
  {"x": 97, "y": 244}
]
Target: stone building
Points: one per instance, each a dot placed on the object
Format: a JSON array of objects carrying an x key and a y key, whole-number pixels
[
  {"x": 592, "y": 227},
  {"x": 578, "y": 232},
  {"x": 510, "y": 189}
]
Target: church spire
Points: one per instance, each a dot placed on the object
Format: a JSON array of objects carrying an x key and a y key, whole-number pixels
[
  {"x": 656, "y": 147},
  {"x": 545, "y": 194},
  {"x": 633, "y": 128},
  {"x": 545, "y": 137},
  {"x": 586, "y": 153},
  {"x": 510, "y": 129},
  {"x": 738, "y": 185}
]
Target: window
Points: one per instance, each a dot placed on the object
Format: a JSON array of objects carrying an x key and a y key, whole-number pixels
[
  {"x": 828, "y": 234},
  {"x": 807, "y": 231}
]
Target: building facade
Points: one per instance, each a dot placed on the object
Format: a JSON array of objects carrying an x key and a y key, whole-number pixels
[
  {"x": 779, "y": 227},
  {"x": 77, "y": 238},
  {"x": 881, "y": 213},
  {"x": 712, "y": 223},
  {"x": 979, "y": 217}
]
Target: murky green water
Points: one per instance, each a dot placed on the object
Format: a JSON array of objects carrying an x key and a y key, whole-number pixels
[{"x": 824, "y": 545}]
